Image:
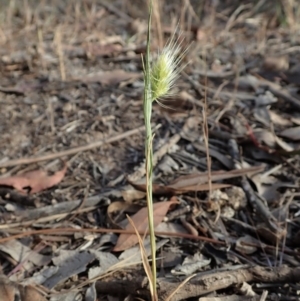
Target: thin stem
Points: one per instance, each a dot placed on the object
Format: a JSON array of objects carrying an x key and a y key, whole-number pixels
[{"x": 149, "y": 151}]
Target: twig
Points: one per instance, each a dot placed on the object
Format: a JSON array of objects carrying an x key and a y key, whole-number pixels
[
  {"x": 115, "y": 11},
  {"x": 223, "y": 94},
  {"x": 57, "y": 41},
  {"x": 71, "y": 231},
  {"x": 65, "y": 231},
  {"x": 264, "y": 296},
  {"x": 71, "y": 151},
  {"x": 203, "y": 284}
]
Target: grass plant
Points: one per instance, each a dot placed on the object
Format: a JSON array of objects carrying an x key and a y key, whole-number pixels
[{"x": 160, "y": 75}]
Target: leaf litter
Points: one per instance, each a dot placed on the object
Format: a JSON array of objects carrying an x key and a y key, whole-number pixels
[{"x": 71, "y": 89}]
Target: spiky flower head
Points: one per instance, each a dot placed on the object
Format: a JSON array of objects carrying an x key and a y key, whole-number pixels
[{"x": 165, "y": 70}]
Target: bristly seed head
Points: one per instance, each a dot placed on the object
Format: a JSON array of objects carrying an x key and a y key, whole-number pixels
[{"x": 165, "y": 71}]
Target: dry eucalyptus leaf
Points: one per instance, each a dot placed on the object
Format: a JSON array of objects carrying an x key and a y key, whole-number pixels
[
  {"x": 69, "y": 296},
  {"x": 24, "y": 254},
  {"x": 193, "y": 181},
  {"x": 91, "y": 294},
  {"x": 133, "y": 255},
  {"x": 265, "y": 137},
  {"x": 33, "y": 181},
  {"x": 10, "y": 291},
  {"x": 130, "y": 195},
  {"x": 69, "y": 263},
  {"x": 279, "y": 118},
  {"x": 106, "y": 260},
  {"x": 140, "y": 219},
  {"x": 271, "y": 236},
  {"x": 169, "y": 227},
  {"x": 198, "y": 181},
  {"x": 280, "y": 63},
  {"x": 191, "y": 264},
  {"x": 243, "y": 244},
  {"x": 29, "y": 293},
  {"x": 115, "y": 208},
  {"x": 291, "y": 133}
]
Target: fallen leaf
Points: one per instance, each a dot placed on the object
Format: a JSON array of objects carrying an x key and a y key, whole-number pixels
[
  {"x": 22, "y": 253},
  {"x": 191, "y": 264},
  {"x": 199, "y": 187},
  {"x": 291, "y": 133},
  {"x": 279, "y": 118},
  {"x": 33, "y": 181},
  {"x": 280, "y": 63},
  {"x": 70, "y": 295},
  {"x": 130, "y": 195},
  {"x": 105, "y": 261},
  {"x": 133, "y": 254},
  {"x": 270, "y": 235},
  {"x": 7, "y": 290},
  {"x": 161, "y": 190},
  {"x": 140, "y": 220},
  {"x": 29, "y": 293},
  {"x": 197, "y": 181},
  {"x": 10, "y": 291},
  {"x": 69, "y": 263},
  {"x": 158, "y": 189},
  {"x": 265, "y": 137},
  {"x": 91, "y": 294},
  {"x": 119, "y": 207},
  {"x": 246, "y": 244},
  {"x": 170, "y": 227},
  {"x": 202, "y": 178},
  {"x": 284, "y": 145}
]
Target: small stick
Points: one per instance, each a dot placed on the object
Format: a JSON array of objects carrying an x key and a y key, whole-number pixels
[{"x": 71, "y": 151}]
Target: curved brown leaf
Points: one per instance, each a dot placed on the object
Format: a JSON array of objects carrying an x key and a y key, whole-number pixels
[
  {"x": 33, "y": 181},
  {"x": 140, "y": 220}
]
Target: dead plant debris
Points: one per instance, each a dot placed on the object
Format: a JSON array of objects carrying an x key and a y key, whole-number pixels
[{"x": 227, "y": 222}]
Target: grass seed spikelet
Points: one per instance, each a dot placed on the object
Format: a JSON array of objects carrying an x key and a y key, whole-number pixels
[{"x": 165, "y": 70}]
